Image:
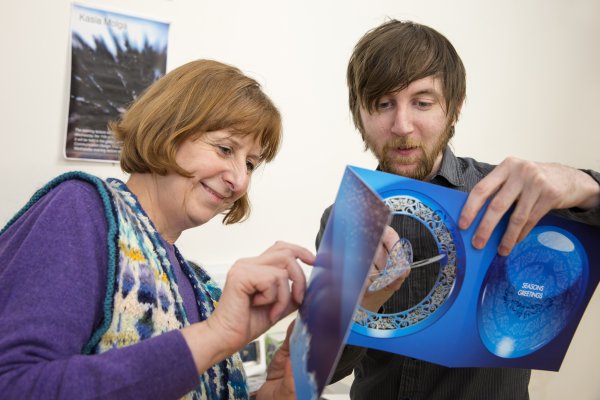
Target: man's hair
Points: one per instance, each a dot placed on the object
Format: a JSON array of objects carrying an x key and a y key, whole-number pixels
[
  {"x": 198, "y": 97},
  {"x": 395, "y": 54}
]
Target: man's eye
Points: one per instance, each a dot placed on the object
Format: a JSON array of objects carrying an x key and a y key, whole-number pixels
[
  {"x": 384, "y": 104},
  {"x": 424, "y": 104}
]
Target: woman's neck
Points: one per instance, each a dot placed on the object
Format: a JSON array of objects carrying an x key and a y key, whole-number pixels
[{"x": 146, "y": 188}]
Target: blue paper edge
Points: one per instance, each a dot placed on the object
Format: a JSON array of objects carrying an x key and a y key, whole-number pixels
[{"x": 302, "y": 387}]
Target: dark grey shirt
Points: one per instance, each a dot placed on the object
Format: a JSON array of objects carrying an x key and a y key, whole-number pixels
[{"x": 381, "y": 375}]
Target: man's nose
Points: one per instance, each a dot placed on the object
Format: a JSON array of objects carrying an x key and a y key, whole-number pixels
[{"x": 403, "y": 124}]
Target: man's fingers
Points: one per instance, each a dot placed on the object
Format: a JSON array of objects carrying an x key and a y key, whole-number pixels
[
  {"x": 479, "y": 195},
  {"x": 521, "y": 184},
  {"x": 498, "y": 206},
  {"x": 389, "y": 238}
]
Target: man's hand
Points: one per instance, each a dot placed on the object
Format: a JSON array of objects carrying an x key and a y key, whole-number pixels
[
  {"x": 534, "y": 189},
  {"x": 280, "y": 378},
  {"x": 373, "y": 301}
]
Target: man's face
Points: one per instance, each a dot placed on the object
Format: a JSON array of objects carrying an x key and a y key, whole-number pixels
[{"x": 409, "y": 129}]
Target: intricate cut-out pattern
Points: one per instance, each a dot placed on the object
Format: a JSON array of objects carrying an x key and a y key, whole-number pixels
[{"x": 435, "y": 221}]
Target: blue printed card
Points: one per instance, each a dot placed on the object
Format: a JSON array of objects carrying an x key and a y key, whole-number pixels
[
  {"x": 483, "y": 310},
  {"x": 352, "y": 234}
]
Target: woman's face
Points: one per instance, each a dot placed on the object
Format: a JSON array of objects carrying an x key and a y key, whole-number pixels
[{"x": 221, "y": 164}]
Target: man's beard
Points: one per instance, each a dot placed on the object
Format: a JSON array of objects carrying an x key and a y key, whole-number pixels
[{"x": 393, "y": 163}]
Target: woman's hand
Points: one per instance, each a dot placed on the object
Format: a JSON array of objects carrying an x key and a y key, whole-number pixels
[{"x": 257, "y": 294}]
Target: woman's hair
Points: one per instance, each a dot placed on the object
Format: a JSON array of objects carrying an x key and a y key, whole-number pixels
[
  {"x": 198, "y": 97},
  {"x": 395, "y": 54}
]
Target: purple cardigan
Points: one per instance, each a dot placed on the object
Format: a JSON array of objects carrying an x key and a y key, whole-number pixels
[{"x": 53, "y": 266}]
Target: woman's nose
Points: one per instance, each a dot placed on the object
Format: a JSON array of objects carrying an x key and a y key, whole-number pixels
[{"x": 236, "y": 176}]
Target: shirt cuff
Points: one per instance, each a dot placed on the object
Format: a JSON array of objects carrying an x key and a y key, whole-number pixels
[{"x": 591, "y": 216}]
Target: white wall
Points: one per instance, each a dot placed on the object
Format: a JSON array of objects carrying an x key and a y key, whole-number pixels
[{"x": 532, "y": 92}]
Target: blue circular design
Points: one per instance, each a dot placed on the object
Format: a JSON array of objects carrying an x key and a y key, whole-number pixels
[
  {"x": 529, "y": 297},
  {"x": 450, "y": 276}
]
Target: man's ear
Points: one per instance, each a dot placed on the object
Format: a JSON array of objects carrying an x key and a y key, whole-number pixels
[{"x": 458, "y": 110}]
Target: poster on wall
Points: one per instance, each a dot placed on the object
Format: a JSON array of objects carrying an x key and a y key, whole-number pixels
[{"x": 114, "y": 58}]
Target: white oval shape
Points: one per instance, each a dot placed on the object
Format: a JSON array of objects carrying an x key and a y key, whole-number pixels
[{"x": 556, "y": 241}]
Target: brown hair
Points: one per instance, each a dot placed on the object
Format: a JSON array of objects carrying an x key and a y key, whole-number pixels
[
  {"x": 198, "y": 97},
  {"x": 395, "y": 54}
]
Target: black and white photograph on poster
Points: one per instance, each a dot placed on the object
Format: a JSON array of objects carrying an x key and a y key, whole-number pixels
[{"x": 114, "y": 58}]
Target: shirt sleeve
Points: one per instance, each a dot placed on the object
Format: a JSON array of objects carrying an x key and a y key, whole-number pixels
[
  {"x": 589, "y": 217},
  {"x": 53, "y": 266}
]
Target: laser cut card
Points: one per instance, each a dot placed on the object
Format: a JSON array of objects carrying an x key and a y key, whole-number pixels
[{"x": 485, "y": 310}]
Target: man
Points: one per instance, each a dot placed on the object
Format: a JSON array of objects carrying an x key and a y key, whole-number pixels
[{"x": 406, "y": 89}]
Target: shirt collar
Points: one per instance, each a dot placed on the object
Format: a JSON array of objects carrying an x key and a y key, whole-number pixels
[{"x": 450, "y": 169}]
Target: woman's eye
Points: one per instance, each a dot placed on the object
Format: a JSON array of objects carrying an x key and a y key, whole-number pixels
[
  {"x": 225, "y": 150},
  {"x": 250, "y": 166}
]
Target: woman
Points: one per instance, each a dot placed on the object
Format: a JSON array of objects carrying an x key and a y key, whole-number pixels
[{"x": 95, "y": 299}]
